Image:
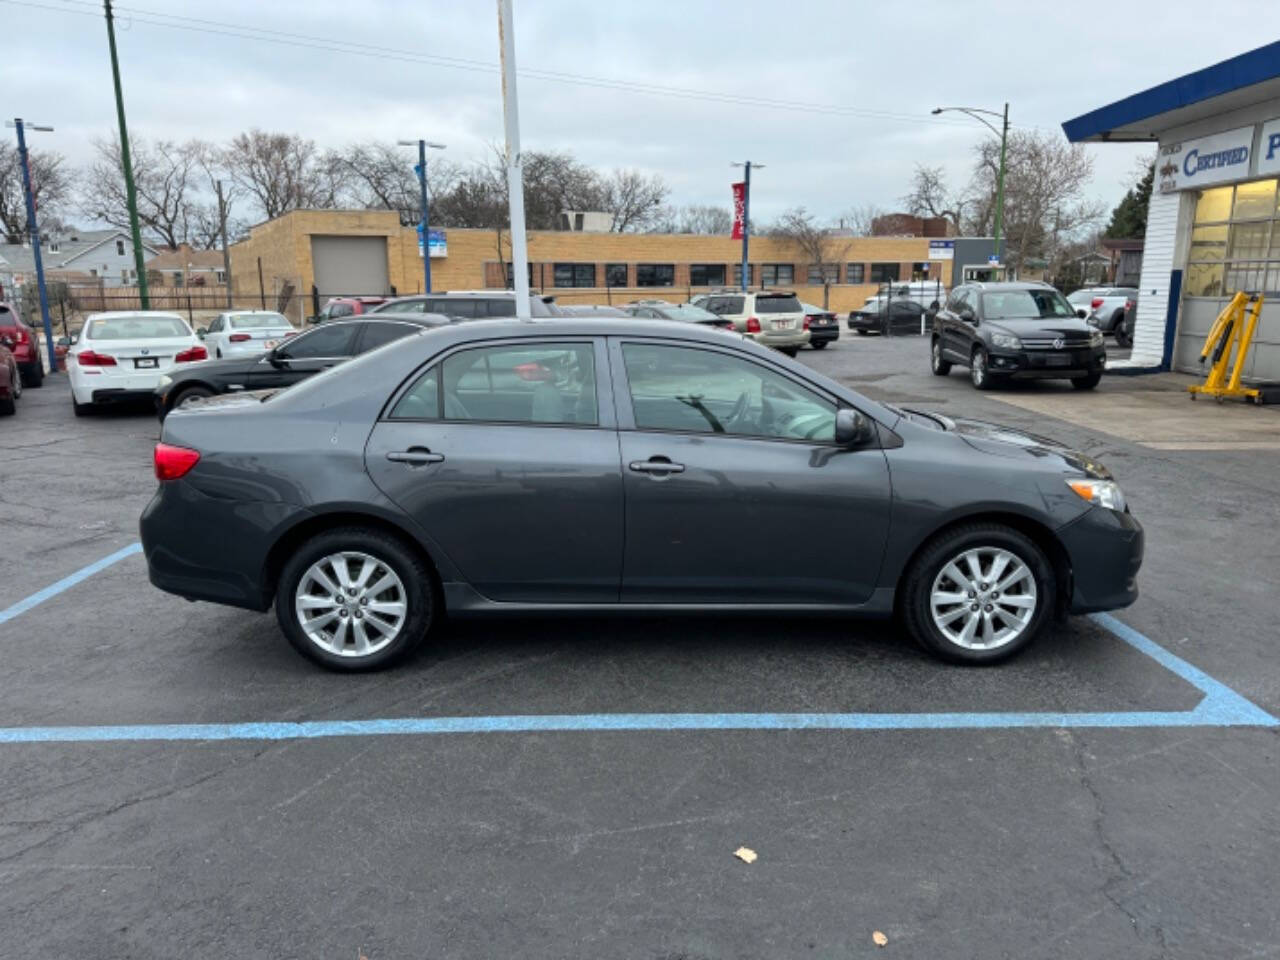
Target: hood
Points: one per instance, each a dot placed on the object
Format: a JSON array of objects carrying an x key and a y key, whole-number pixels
[
  {"x": 1005, "y": 441},
  {"x": 1070, "y": 329}
]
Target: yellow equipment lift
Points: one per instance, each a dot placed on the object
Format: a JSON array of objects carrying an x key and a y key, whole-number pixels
[{"x": 1233, "y": 328}]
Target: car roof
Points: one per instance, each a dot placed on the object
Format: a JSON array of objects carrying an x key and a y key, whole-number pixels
[
  {"x": 998, "y": 285},
  {"x": 421, "y": 319},
  {"x": 112, "y": 314}
]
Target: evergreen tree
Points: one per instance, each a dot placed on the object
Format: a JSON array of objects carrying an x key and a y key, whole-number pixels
[{"x": 1129, "y": 218}]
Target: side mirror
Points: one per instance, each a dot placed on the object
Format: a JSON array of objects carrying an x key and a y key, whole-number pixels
[
  {"x": 312, "y": 319},
  {"x": 1081, "y": 313},
  {"x": 853, "y": 429},
  {"x": 967, "y": 315}
]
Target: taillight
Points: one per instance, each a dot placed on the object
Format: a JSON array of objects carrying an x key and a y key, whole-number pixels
[
  {"x": 87, "y": 358},
  {"x": 238, "y": 337},
  {"x": 174, "y": 462},
  {"x": 22, "y": 335},
  {"x": 1097, "y": 302},
  {"x": 806, "y": 323},
  {"x": 1129, "y": 304},
  {"x": 194, "y": 353},
  {"x": 753, "y": 325}
]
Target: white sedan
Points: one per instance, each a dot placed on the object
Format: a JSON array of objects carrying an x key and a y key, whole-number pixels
[
  {"x": 243, "y": 333},
  {"x": 122, "y": 356}
]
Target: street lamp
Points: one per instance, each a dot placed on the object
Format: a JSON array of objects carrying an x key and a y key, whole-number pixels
[
  {"x": 34, "y": 229},
  {"x": 746, "y": 216},
  {"x": 421, "y": 170},
  {"x": 1003, "y": 134}
]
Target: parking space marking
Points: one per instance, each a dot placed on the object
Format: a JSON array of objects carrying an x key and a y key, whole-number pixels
[{"x": 67, "y": 582}]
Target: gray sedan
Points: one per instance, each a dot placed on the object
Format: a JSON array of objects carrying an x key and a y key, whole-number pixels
[{"x": 571, "y": 465}]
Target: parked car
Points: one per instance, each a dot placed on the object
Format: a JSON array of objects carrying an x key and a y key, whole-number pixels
[
  {"x": 290, "y": 362},
  {"x": 121, "y": 356},
  {"x": 1103, "y": 306},
  {"x": 880, "y": 316},
  {"x": 683, "y": 312},
  {"x": 590, "y": 310},
  {"x": 10, "y": 382},
  {"x": 824, "y": 325},
  {"x": 1124, "y": 329},
  {"x": 339, "y": 307},
  {"x": 472, "y": 304},
  {"x": 771, "y": 317},
  {"x": 23, "y": 343},
  {"x": 1016, "y": 330},
  {"x": 573, "y": 464},
  {"x": 245, "y": 332}
]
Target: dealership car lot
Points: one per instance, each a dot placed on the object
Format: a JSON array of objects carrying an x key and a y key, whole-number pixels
[{"x": 1133, "y": 839}]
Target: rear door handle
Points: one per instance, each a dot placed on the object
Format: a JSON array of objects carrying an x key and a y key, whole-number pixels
[
  {"x": 653, "y": 465},
  {"x": 415, "y": 456}
]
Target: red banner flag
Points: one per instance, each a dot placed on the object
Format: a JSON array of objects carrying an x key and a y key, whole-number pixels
[{"x": 739, "y": 205}]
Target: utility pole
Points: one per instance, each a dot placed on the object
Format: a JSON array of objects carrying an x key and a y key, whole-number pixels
[
  {"x": 131, "y": 196},
  {"x": 33, "y": 229},
  {"x": 1004, "y": 140},
  {"x": 222, "y": 226},
  {"x": 423, "y": 224},
  {"x": 515, "y": 173},
  {"x": 746, "y": 219}
]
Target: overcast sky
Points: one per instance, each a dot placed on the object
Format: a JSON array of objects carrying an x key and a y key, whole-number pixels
[{"x": 891, "y": 61}]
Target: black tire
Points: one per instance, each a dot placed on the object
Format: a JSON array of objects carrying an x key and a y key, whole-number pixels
[
  {"x": 1087, "y": 383},
  {"x": 1117, "y": 321},
  {"x": 861, "y": 331},
  {"x": 939, "y": 366},
  {"x": 33, "y": 375},
  {"x": 80, "y": 409},
  {"x": 789, "y": 351},
  {"x": 979, "y": 375},
  {"x": 217, "y": 352},
  {"x": 398, "y": 556},
  {"x": 1122, "y": 335},
  {"x": 196, "y": 392},
  {"x": 9, "y": 406},
  {"x": 820, "y": 345},
  {"x": 917, "y": 586}
]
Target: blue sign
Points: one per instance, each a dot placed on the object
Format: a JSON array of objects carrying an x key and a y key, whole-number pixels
[
  {"x": 993, "y": 258},
  {"x": 942, "y": 249},
  {"x": 437, "y": 243}
]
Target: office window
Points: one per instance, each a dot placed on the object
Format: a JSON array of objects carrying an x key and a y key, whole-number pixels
[
  {"x": 920, "y": 270},
  {"x": 855, "y": 273},
  {"x": 575, "y": 275},
  {"x": 615, "y": 275},
  {"x": 655, "y": 275},
  {"x": 119, "y": 248},
  {"x": 777, "y": 274},
  {"x": 706, "y": 274},
  {"x": 511, "y": 275},
  {"x": 823, "y": 273},
  {"x": 177, "y": 278},
  {"x": 54, "y": 246},
  {"x": 220, "y": 276},
  {"x": 884, "y": 272},
  {"x": 737, "y": 274}
]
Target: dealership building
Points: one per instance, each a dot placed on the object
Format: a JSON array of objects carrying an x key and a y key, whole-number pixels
[{"x": 1213, "y": 226}]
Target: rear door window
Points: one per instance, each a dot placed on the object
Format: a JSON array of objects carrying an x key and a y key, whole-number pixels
[
  {"x": 336, "y": 340},
  {"x": 526, "y": 383},
  {"x": 377, "y": 334},
  {"x": 505, "y": 307}
]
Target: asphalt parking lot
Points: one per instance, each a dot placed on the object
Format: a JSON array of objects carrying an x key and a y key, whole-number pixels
[{"x": 1014, "y": 829}]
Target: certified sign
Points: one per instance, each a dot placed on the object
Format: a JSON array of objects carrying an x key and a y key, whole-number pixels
[
  {"x": 942, "y": 249},
  {"x": 1191, "y": 164}
]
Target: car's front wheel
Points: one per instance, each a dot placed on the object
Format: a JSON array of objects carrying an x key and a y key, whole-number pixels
[
  {"x": 978, "y": 594},
  {"x": 940, "y": 366},
  {"x": 978, "y": 372},
  {"x": 355, "y": 598},
  {"x": 1087, "y": 382}
]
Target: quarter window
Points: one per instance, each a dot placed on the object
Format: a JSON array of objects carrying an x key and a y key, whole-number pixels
[
  {"x": 655, "y": 275},
  {"x": 689, "y": 390},
  {"x": 378, "y": 334},
  {"x": 529, "y": 383},
  {"x": 422, "y": 402}
]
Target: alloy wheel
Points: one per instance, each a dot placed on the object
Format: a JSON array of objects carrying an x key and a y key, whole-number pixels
[
  {"x": 350, "y": 604},
  {"x": 978, "y": 368},
  {"x": 983, "y": 599}
]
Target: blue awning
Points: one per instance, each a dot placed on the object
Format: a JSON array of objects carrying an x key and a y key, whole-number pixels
[{"x": 1233, "y": 83}]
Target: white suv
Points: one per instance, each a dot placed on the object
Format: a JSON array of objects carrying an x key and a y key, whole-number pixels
[{"x": 774, "y": 318}]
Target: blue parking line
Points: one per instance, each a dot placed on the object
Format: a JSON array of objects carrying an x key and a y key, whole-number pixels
[{"x": 67, "y": 582}]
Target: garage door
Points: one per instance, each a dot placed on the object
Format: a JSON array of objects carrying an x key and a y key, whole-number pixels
[{"x": 350, "y": 266}]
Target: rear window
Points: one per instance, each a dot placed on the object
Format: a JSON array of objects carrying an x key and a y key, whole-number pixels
[
  {"x": 137, "y": 328},
  {"x": 1080, "y": 296},
  {"x": 778, "y": 305},
  {"x": 686, "y": 311},
  {"x": 258, "y": 321}
]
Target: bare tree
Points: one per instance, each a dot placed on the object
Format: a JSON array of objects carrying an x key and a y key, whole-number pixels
[
  {"x": 50, "y": 186},
  {"x": 633, "y": 199},
  {"x": 382, "y": 176},
  {"x": 930, "y": 196},
  {"x": 859, "y": 220},
  {"x": 282, "y": 172},
  {"x": 166, "y": 177},
  {"x": 816, "y": 243},
  {"x": 693, "y": 218}
]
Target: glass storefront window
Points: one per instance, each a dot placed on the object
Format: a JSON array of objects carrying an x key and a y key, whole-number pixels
[
  {"x": 1254, "y": 200},
  {"x": 1214, "y": 205},
  {"x": 1209, "y": 243},
  {"x": 1235, "y": 243},
  {"x": 1204, "y": 280},
  {"x": 1249, "y": 241}
]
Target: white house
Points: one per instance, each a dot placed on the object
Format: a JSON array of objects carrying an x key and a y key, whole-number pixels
[{"x": 105, "y": 254}]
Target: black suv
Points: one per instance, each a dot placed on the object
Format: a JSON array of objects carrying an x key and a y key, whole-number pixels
[{"x": 1006, "y": 331}]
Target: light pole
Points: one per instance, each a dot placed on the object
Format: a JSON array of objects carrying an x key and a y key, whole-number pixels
[
  {"x": 34, "y": 230},
  {"x": 126, "y": 165},
  {"x": 746, "y": 217},
  {"x": 1003, "y": 134},
  {"x": 421, "y": 170},
  {"x": 515, "y": 163}
]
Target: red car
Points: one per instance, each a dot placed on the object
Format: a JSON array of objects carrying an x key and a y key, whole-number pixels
[
  {"x": 10, "y": 382},
  {"x": 339, "y": 307},
  {"x": 22, "y": 343}
]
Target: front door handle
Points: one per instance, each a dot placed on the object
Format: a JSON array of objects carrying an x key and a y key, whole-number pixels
[
  {"x": 655, "y": 465},
  {"x": 415, "y": 456}
]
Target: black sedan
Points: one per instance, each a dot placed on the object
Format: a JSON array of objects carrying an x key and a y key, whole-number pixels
[
  {"x": 681, "y": 312},
  {"x": 1025, "y": 331},
  {"x": 823, "y": 324},
  {"x": 902, "y": 317},
  {"x": 294, "y": 360},
  {"x": 575, "y": 465}
]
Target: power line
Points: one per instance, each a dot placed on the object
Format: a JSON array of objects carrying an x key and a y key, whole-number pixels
[{"x": 261, "y": 34}]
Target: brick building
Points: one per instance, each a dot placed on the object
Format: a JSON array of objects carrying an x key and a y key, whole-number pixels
[
  {"x": 910, "y": 225},
  {"x": 369, "y": 252}
]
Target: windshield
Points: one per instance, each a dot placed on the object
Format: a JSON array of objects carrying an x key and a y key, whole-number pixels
[
  {"x": 1025, "y": 304},
  {"x": 687, "y": 311},
  {"x": 138, "y": 328},
  {"x": 258, "y": 321},
  {"x": 777, "y": 305}
]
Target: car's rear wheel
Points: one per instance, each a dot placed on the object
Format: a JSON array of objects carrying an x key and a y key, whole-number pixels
[
  {"x": 1122, "y": 335},
  {"x": 190, "y": 395},
  {"x": 940, "y": 366},
  {"x": 819, "y": 345},
  {"x": 978, "y": 594},
  {"x": 978, "y": 372},
  {"x": 80, "y": 409},
  {"x": 354, "y": 598},
  {"x": 788, "y": 351},
  {"x": 1088, "y": 382},
  {"x": 8, "y": 405},
  {"x": 33, "y": 375}
]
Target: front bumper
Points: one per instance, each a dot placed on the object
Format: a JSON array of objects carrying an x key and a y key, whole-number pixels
[
  {"x": 1047, "y": 364},
  {"x": 1105, "y": 550}
]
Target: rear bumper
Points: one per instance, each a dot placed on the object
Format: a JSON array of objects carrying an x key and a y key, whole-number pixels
[
  {"x": 824, "y": 334},
  {"x": 120, "y": 395},
  {"x": 1105, "y": 551}
]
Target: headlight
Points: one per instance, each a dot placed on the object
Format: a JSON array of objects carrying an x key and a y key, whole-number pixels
[
  {"x": 1096, "y": 339},
  {"x": 1006, "y": 340},
  {"x": 165, "y": 380},
  {"x": 1103, "y": 493}
]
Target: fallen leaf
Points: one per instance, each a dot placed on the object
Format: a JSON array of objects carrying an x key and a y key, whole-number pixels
[
  {"x": 745, "y": 854},
  {"x": 879, "y": 939}
]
